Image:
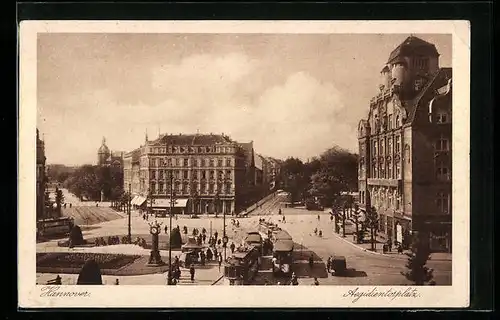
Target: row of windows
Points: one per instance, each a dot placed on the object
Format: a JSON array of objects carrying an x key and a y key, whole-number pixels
[
  {"x": 186, "y": 188},
  {"x": 388, "y": 170},
  {"x": 169, "y": 162},
  {"x": 384, "y": 146},
  {"x": 192, "y": 149},
  {"x": 420, "y": 63},
  {"x": 195, "y": 174},
  {"x": 387, "y": 122},
  {"x": 442, "y": 201}
]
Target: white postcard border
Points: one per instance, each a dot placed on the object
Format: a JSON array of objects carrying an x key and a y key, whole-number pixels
[{"x": 30, "y": 295}]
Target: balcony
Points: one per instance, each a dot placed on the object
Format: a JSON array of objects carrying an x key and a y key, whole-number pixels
[{"x": 384, "y": 182}]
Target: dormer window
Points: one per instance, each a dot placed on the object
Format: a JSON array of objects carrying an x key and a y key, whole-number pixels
[
  {"x": 419, "y": 84},
  {"x": 442, "y": 117}
]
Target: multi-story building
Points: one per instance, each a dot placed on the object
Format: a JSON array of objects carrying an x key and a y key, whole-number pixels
[
  {"x": 209, "y": 172},
  {"x": 105, "y": 157},
  {"x": 40, "y": 177},
  {"x": 405, "y": 147}
]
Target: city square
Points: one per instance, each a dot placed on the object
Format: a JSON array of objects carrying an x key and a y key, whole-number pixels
[{"x": 273, "y": 198}]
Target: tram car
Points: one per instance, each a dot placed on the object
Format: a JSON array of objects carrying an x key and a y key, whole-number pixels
[
  {"x": 282, "y": 253},
  {"x": 242, "y": 267},
  {"x": 254, "y": 238},
  {"x": 54, "y": 227}
]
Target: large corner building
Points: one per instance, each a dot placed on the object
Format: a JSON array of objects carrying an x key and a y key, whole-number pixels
[
  {"x": 405, "y": 149},
  {"x": 210, "y": 173}
]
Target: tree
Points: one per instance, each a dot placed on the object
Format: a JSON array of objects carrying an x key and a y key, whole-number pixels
[
  {"x": 295, "y": 178},
  {"x": 76, "y": 236},
  {"x": 59, "y": 201},
  {"x": 372, "y": 223},
  {"x": 357, "y": 215},
  {"x": 90, "y": 274},
  {"x": 335, "y": 171},
  {"x": 417, "y": 271},
  {"x": 176, "y": 238}
]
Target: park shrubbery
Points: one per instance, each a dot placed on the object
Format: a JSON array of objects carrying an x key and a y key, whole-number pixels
[
  {"x": 77, "y": 260},
  {"x": 176, "y": 238}
]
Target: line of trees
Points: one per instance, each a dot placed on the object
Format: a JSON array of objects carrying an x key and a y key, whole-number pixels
[
  {"x": 325, "y": 176},
  {"x": 87, "y": 182}
]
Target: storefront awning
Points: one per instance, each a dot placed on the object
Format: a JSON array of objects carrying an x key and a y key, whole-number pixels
[
  {"x": 134, "y": 199},
  {"x": 165, "y": 203},
  {"x": 138, "y": 200}
]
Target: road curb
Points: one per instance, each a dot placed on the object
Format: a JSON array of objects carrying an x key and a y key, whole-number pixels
[{"x": 381, "y": 254}]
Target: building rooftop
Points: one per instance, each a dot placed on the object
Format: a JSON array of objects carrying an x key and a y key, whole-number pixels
[
  {"x": 193, "y": 139},
  {"x": 440, "y": 79},
  {"x": 413, "y": 46}
]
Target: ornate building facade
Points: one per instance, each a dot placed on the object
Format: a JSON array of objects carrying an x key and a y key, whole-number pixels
[
  {"x": 210, "y": 172},
  {"x": 41, "y": 178},
  {"x": 405, "y": 147},
  {"x": 105, "y": 157}
]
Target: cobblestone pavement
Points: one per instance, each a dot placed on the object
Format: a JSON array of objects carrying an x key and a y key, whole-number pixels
[{"x": 365, "y": 268}]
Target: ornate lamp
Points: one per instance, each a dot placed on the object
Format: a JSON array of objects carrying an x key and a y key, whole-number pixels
[{"x": 154, "y": 257}]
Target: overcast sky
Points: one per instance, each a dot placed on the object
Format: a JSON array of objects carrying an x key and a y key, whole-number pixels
[{"x": 293, "y": 95}]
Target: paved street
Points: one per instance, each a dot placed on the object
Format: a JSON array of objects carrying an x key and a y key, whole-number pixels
[{"x": 366, "y": 268}]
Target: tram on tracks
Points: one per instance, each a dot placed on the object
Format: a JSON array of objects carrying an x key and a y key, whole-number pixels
[
  {"x": 54, "y": 227},
  {"x": 282, "y": 253},
  {"x": 242, "y": 267},
  {"x": 254, "y": 238}
]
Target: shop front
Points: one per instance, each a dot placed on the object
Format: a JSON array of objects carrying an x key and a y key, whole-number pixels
[{"x": 162, "y": 207}]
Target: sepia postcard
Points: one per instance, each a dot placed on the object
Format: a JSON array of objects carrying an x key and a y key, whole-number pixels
[{"x": 205, "y": 164}]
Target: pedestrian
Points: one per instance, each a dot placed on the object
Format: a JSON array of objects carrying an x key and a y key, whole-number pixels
[
  {"x": 279, "y": 211},
  {"x": 294, "y": 280},
  {"x": 328, "y": 264},
  {"x": 389, "y": 244},
  {"x": 232, "y": 247},
  {"x": 70, "y": 205},
  {"x": 400, "y": 248},
  {"x": 191, "y": 272},
  {"x": 220, "y": 260},
  {"x": 318, "y": 217},
  {"x": 204, "y": 237},
  {"x": 166, "y": 230},
  {"x": 215, "y": 235},
  {"x": 117, "y": 282},
  {"x": 316, "y": 282},
  {"x": 202, "y": 258},
  {"x": 209, "y": 254}
]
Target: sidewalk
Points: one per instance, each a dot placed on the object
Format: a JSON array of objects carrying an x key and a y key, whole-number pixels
[{"x": 435, "y": 256}]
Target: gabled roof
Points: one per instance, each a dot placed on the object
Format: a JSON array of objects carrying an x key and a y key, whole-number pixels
[
  {"x": 413, "y": 46},
  {"x": 440, "y": 79}
]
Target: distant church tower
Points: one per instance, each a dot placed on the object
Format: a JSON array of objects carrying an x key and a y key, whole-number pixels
[{"x": 103, "y": 153}]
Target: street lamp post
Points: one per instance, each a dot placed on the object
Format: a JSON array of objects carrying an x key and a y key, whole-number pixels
[
  {"x": 129, "y": 204},
  {"x": 172, "y": 203},
  {"x": 343, "y": 220}
]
